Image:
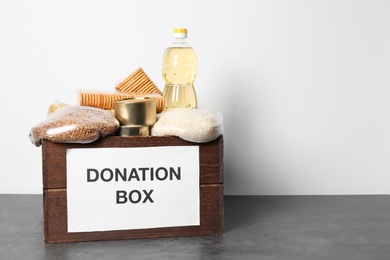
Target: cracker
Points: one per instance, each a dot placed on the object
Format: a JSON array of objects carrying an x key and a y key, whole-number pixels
[{"x": 138, "y": 82}]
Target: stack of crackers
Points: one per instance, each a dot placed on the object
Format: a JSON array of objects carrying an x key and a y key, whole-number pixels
[{"x": 138, "y": 84}]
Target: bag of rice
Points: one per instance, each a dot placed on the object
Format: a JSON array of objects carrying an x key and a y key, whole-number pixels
[{"x": 190, "y": 124}]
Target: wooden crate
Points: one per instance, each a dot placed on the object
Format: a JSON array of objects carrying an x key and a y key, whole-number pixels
[{"x": 55, "y": 198}]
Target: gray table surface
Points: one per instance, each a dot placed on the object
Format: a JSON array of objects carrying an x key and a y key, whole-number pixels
[{"x": 256, "y": 227}]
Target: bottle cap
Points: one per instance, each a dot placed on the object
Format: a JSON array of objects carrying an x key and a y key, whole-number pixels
[{"x": 180, "y": 33}]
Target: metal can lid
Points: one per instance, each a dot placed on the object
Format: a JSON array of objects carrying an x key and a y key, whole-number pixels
[{"x": 136, "y": 111}]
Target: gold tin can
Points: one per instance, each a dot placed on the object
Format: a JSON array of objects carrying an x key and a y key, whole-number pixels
[
  {"x": 135, "y": 115},
  {"x": 136, "y": 111},
  {"x": 134, "y": 130}
]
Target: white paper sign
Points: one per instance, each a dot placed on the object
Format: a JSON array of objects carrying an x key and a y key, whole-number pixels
[{"x": 132, "y": 188}]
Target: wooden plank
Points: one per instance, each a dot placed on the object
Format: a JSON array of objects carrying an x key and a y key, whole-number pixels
[
  {"x": 55, "y": 219},
  {"x": 54, "y": 190},
  {"x": 54, "y": 156}
]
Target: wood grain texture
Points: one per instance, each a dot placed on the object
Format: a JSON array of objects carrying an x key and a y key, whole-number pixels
[
  {"x": 55, "y": 219},
  {"x": 55, "y": 200},
  {"x": 54, "y": 156}
]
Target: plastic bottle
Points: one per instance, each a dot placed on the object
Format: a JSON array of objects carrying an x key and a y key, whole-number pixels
[{"x": 179, "y": 69}]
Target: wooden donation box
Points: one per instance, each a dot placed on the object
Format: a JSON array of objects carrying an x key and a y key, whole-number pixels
[{"x": 132, "y": 187}]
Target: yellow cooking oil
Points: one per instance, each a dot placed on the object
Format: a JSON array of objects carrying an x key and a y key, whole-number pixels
[{"x": 179, "y": 69}]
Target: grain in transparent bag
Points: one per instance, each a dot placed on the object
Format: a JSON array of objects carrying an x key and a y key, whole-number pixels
[{"x": 74, "y": 124}]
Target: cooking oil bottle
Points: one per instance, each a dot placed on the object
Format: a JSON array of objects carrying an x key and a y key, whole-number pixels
[{"x": 179, "y": 69}]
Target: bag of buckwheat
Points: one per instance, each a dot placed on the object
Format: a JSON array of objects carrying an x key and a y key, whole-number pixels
[{"x": 74, "y": 124}]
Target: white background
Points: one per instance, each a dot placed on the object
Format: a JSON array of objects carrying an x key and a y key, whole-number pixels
[{"x": 303, "y": 85}]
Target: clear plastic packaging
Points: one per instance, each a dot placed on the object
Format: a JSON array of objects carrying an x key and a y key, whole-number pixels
[
  {"x": 138, "y": 82},
  {"x": 106, "y": 99},
  {"x": 179, "y": 69},
  {"x": 74, "y": 124},
  {"x": 194, "y": 125}
]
